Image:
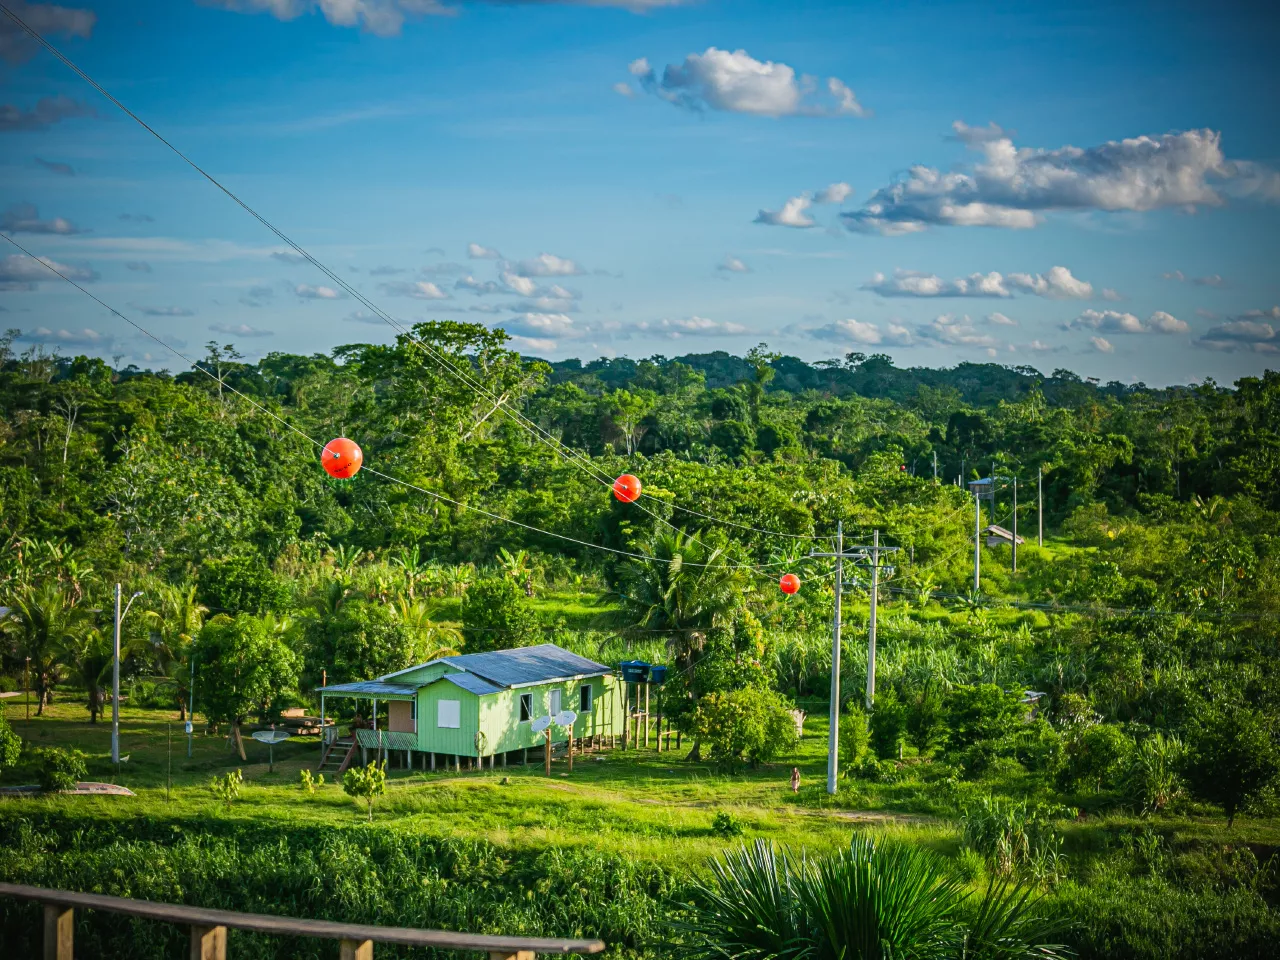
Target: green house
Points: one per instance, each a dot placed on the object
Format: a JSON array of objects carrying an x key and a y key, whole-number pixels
[{"x": 480, "y": 705}]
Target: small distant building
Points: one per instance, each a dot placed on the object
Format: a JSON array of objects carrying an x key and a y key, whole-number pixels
[
  {"x": 480, "y": 705},
  {"x": 1000, "y": 537}
]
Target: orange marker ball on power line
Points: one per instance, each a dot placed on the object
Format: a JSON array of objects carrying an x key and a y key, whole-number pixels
[
  {"x": 627, "y": 488},
  {"x": 789, "y": 583},
  {"x": 342, "y": 458}
]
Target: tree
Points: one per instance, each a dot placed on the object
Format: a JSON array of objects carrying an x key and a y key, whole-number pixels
[
  {"x": 753, "y": 723},
  {"x": 926, "y": 718},
  {"x": 42, "y": 621},
  {"x": 90, "y": 655},
  {"x": 1231, "y": 758},
  {"x": 888, "y": 725},
  {"x": 241, "y": 583},
  {"x": 240, "y": 666},
  {"x": 363, "y": 640},
  {"x": 981, "y": 712},
  {"x": 496, "y": 615},
  {"x": 366, "y": 783},
  {"x": 175, "y": 624}
]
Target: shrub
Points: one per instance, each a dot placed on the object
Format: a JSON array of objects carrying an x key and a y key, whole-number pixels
[
  {"x": 725, "y": 824},
  {"x": 310, "y": 782},
  {"x": 366, "y": 783},
  {"x": 10, "y": 745},
  {"x": 982, "y": 712},
  {"x": 60, "y": 769},
  {"x": 926, "y": 718},
  {"x": 969, "y": 865},
  {"x": 752, "y": 723},
  {"x": 855, "y": 737},
  {"x": 1094, "y": 756},
  {"x": 1231, "y": 758},
  {"x": 227, "y": 787},
  {"x": 888, "y": 726},
  {"x": 1152, "y": 779},
  {"x": 1013, "y": 834}
]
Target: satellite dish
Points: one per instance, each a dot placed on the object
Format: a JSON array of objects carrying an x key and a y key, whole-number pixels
[
  {"x": 271, "y": 736},
  {"x": 541, "y": 724},
  {"x": 565, "y": 718}
]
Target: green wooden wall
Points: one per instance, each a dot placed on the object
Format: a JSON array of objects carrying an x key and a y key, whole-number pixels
[{"x": 462, "y": 741}]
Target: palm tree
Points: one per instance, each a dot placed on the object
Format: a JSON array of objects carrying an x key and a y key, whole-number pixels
[
  {"x": 42, "y": 621},
  {"x": 682, "y": 589},
  {"x": 433, "y": 638},
  {"x": 411, "y": 567},
  {"x": 89, "y": 654},
  {"x": 174, "y": 626}
]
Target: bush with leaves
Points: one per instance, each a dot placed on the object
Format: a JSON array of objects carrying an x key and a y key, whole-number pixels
[
  {"x": 1152, "y": 776},
  {"x": 752, "y": 724},
  {"x": 10, "y": 745},
  {"x": 1014, "y": 834},
  {"x": 855, "y": 737},
  {"x": 725, "y": 824},
  {"x": 888, "y": 725},
  {"x": 980, "y": 712},
  {"x": 309, "y": 781},
  {"x": 60, "y": 769},
  {"x": 926, "y": 718},
  {"x": 1094, "y": 757},
  {"x": 227, "y": 787},
  {"x": 1231, "y": 757},
  {"x": 496, "y": 615},
  {"x": 242, "y": 583},
  {"x": 366, "y": 784}
]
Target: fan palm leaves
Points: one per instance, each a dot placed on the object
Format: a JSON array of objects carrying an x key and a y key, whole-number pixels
[
  {"x": 42, "y": 620},
  {"x": 89, "y": 655},
  {"x": 175, "y": 622},
  {"x": 434, "y": 638}
]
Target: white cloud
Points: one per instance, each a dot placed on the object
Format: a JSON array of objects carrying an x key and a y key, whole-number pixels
[
  {"x": 1000, "y": 320},
  {"x": 1013, "y": 186},
  {"x": 308, "y": 292},
  {"x": 1254, "y": 331},
  {"x": 733, "y": 265},
  {"x": 240, "y": 330},
  {"x": 546, "y": 265},
  {"x": 1039, "y": 346},
  {"x": 84, "y": 337},
  {"x": 546, "y": 326},
  {"x": 624, "y": 89},
  {"x": 44, "y": 18},
  {"x": 479, "y": 287},
  {"x": 288, "y": 256},
  {"x": 1057, "y": 284},
  {"x": 834, "y": 193},
  {"x": 381, "y": 17},
  {"x": 519, "y": 284},
  {"x": 25, "y": 218},
  {"x": 20, "y": 272},
  {"x": 1102, "y": 345},
  {"x": 956, "y": 331},
  {"x": 862, "y": 332},
  {"x": 736, "y": 82},
  {"x": 1113, "y": 321},
  {"x": 1213, "y": 280},
  {"x": 792, "y": 214},
  {"x": 414, "y": 289},
  {"x": 692, "y": 327},
  {"x": 166, "y": 311},
  {"x": 359, "y": 316},
  {"x": 478, "y": 252}
]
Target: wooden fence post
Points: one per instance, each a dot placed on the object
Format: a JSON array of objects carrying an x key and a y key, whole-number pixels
[
  {"x": 59, "y": 927},
  {"x": 355, "y": 950},
  {"x": 208, "y": 943},
  {"x": 518, "y": 955}
]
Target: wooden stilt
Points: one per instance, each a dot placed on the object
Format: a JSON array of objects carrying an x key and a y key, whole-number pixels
[
  {"x": 433, "y": 761},
  {"x": 524, "y": 756},
  {"x": 646, "y": 716},
  {"x": 208, "y": 943},
  {"x": 355, "y": 950}
]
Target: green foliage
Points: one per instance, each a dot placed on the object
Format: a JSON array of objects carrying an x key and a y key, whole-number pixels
[
  {"x": 754, "y": 724},
  {"x": 362, "y": 640},
  {"x": 725, "y": 824},
  {"x": 1152, "y": 777},
  {"x": 497, "y": 616},
  {"x": 10, "y": 745},
  {"x": 1094, "y": 757},
  {"x": 888, "y": 725},
  {"x": 366, "y": 784},
  {"x": 241, "y": 583},
  {"x": 227, "y": 787},
  {"x": 980, "y": 712},
  {"x": 309, "y": 781},
  {"x": 926, "y": 721},
  {"x": 855, "y": 736},
  {"x": 59, "y": 769},
  {"x": 871, "y": 901},
  {"x": 1014, "y": 835},
  {"x": 1231, "y": 757}
]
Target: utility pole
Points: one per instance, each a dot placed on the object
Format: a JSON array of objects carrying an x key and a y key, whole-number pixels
[
  {"x": 935, "y": 466},
  {"x": 833, "y": 739},
  {"x": 26, "y": 687},
  {"x": 1040, "y": 505},
  {"x": 1015, "y": 524},
  {"x": 191, "y": 707},
  {"x": 115, "y": 676},
  {"x": 873, "y": 559},
  {"x": 977, "y": 542}
]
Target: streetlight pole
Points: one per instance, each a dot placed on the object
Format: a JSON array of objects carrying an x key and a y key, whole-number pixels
[
  {"x": 26, "y": 687},
  {"x": 115, "y": 676},
  {"x": 1015, "y": 524}
]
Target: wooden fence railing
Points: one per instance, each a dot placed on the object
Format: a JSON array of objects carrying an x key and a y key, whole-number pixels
[{"x": 209, "y": 929}]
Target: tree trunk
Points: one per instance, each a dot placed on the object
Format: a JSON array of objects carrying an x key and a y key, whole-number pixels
[
  {"x": 95, "y": 704},
  {"x": 695, "y": 755},
  {"x": 237, "y": 741}
]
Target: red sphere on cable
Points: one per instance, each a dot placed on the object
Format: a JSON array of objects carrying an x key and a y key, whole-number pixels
[
  {"x": 342, "y": 458},
  {"x": 627, "y": 488},
  {"x": 789, "y": 583}
]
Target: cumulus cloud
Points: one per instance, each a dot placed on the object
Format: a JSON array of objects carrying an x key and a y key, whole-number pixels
[
  {"x": 44, "y": 18},
  {"x": 675, "y": 329},
  {"x": 543, "y": 326},
  {"x": 20, "y": 272},
  {"x": 863, "y": 332},
  {"x": 1013, "y": 187},
  {"x": 288, "y": 256},
  {"x": 359, "y": 316},
  {"x": 793, "y": 212},
  {"x": 1255, "y": 331},
  {"x": 25, "y": 218},
  {"x": 61, "y": 169},
  {"x": 733, "y": 265},
  {"x": 415, "y": 289},
  {"x": 1057, "y": 284},
  {"x": 545, "y": 265},
  {"x": 952, "y": 330},
  {"x": 478, "y": 252},
  {"x": 1113, "y": 321},
  {"x": 308, "y": 292},
  {"x": 240, "y": 330},
  {"x": 1000, "y": 320},
  {"x": 1213, "y": 280},
  {"x": 46, "y": 112},
  {"x": 479, "y": 287},
  {"x": 166, "y": 311},
  {"x": 1102, "y": 345},
  {"x": 84, "y": 337},
  {"x": 736, "y": 82}
]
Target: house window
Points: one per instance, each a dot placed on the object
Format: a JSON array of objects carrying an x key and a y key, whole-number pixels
[
  {"x": 449, "y": 714},
  {"x": 526, "y": 707},
  {"x": 554, "y": 702},
  {"x": 584, "y": 698}
]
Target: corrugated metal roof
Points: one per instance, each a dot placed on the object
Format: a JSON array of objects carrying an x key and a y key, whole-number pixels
[
  {"x": 469, "y": 681},
  {"x": 376, "y": 688},
  {"x": 525, "y": 665}
]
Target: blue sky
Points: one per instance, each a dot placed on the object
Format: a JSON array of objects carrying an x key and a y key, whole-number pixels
[{"x": 1091, "y": 186}]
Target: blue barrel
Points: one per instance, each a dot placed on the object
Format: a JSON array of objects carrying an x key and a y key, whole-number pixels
[
  {"x": 634, "y": 671},
  {"x": 658, "y": 673}
]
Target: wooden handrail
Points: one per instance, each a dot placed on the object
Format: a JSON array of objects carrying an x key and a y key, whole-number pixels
[{"x": 209, "y": 928}]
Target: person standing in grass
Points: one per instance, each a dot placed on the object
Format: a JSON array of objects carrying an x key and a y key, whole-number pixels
[{"x": 795, "y": 779}]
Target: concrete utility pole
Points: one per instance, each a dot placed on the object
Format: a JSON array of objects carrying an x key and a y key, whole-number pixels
[
  {"x": 977, "y": 542},
  {"x": 863, "y": 556},
  {"x": 1040, "y": 505},
  {"x": 935, "y": 466},
  {"x": 1015, "y": 524},
  {"x": 115, "y": 675}
]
